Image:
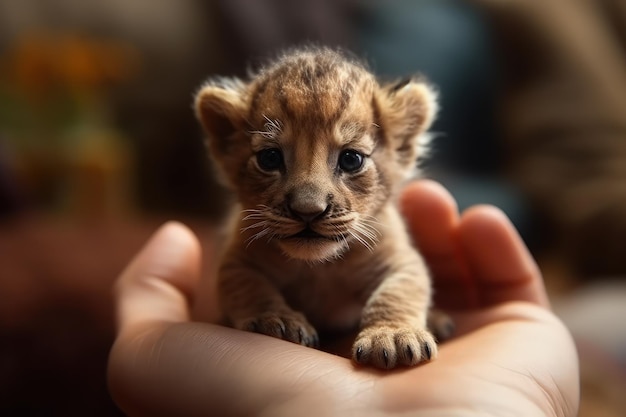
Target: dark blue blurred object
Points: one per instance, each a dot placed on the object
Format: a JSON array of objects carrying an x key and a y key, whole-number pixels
[{"x": 449, "y": 42}]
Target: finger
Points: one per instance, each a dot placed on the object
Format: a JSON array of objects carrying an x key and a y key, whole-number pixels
[
  {"x": 158, "y": 284},
  {"x": 432, "y": 217},
  {"x": 205, "y": 307},
  {"x": 501, "y": 267}
]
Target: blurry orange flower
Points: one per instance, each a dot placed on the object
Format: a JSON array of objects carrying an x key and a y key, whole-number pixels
[{"x": 40, "y": 63}]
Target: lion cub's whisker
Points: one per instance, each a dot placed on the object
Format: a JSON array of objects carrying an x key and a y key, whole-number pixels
[
  {"x": 257, "y": 236},
  {"x": 366, "y": 235},
  {"x": 262, "y": 223}
]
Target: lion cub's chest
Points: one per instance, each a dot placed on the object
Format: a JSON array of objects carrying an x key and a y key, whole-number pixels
[{"x": 331, "y": 296}]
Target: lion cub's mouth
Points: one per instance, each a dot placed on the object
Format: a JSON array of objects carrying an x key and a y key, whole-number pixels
[
  {"x": 307, "y": 233},
  {"x": 312, "y": 246}
]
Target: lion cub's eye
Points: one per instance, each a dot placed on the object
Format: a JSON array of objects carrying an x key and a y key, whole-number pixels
[
  {"x": 269, "y": 159},
  {"x": 350, "y": 160}
]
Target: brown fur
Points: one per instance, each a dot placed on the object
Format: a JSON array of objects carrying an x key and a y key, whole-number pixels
[{"x": 355, "y": 265}]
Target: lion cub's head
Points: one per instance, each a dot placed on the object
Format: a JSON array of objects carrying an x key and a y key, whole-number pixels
[{"x": 314, "y": 147}]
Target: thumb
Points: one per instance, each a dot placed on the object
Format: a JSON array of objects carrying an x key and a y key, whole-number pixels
[{"x": 158, "y": 284}]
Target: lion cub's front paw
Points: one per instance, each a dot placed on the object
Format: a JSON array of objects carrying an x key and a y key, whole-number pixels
[
  {"x": 291, "y": 326},
  {"x": 387, "y": 347}
]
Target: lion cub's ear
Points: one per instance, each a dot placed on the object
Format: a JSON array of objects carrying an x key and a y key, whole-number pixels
[
  {"x": 220, "y": 107},
  {"x": 407, "y": 110}
]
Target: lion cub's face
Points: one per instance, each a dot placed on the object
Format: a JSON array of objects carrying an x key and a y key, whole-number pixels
[{"x": 314, "y": 148}]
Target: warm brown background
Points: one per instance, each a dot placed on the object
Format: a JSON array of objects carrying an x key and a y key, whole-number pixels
[{"x": 98, "y": 146}]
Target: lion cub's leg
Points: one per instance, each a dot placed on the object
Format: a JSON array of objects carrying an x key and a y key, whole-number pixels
[
  {"x": 440, "y": 325},
  {"x": 252, "y": 303},
  {"x": 394, "y": 328}
]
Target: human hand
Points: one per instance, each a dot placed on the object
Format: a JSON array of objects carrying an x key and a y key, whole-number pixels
[{"x": 511, "y": 355}]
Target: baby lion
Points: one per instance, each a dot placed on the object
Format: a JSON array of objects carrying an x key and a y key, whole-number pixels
[{"x": 316, "y": 151}]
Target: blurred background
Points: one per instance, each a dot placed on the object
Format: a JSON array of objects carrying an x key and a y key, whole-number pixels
[{"x": 98, "y": 146}]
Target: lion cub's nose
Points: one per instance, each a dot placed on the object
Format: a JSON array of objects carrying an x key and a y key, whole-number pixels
[
  {"x": 308, "y": 202},
  {"x": 308, "y": 211}
]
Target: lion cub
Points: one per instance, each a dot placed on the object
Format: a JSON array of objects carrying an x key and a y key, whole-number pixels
[{"x": 316, "y": 151}]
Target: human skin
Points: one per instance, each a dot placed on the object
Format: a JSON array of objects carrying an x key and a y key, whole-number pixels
[{"x": 511, "y": 355}]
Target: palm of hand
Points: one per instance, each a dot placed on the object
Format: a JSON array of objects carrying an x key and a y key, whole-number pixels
[{"x": 511, "y": 356}]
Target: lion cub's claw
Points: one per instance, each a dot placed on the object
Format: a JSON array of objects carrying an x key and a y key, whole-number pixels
[
  {"x": 291, "y": 326},
  {"x": 387, "y": 347}
]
